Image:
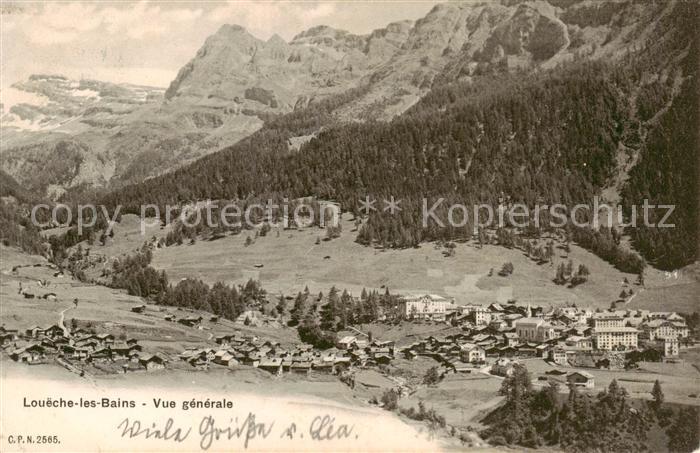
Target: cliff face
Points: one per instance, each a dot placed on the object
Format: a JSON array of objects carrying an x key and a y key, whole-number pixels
[
  {"x": 319, "y": 61},
  {"x": 457, "y": 41},
  {"x": 402, "y": 61}
]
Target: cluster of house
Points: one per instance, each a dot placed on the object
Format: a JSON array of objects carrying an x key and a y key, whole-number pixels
[
  {"x": 507, "y": 330},
  {"x": 579, "y": 378},
  {"x": 501, "y": 332},
  {"x": 248, "y": 318},
  {"x": 194, "y": 321},
  {"x": 271, "y": 356},
  {"x": 459, "y": 352},
  {"x": 38, "y": 345}
]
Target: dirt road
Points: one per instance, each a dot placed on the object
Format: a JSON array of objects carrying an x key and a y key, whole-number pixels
[{"x": 61, "y": 318}]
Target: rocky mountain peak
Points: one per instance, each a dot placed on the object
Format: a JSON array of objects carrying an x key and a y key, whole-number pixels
[
  {"x": 276, "y": 40},
  {"x": 230, "y": 31},
  {"x": 232, "y": 37},
  {"x": 320, "y": 31}
]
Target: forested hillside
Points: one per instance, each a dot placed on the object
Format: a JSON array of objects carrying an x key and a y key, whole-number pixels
[
  {"x": 467, "y": 142},
  {"x": 552, "y": 136},
  {"x": 666, "y": 104},
  {"x": 15, "y": 226}
]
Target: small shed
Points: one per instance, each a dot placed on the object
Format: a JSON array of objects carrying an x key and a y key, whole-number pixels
[
  {"x": 152, "y": 362},
  {"x": 273, "y": 365},
  {"x": 301, "y": 367},
  {"x": 225, "y": 358},
  {"x": 33, "y": 353},
  {"x": 346, "y": 342},
  {"x": 581, "y": 379}
]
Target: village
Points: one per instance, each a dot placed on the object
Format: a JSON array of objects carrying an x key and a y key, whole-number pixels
[
  {"x": 498, "y": 335},
  {"x": 447, "y": 354},
  {"x": 479, "y": 339}
]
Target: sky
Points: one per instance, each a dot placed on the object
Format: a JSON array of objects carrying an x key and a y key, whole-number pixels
[{"x": 146, "y": 42}]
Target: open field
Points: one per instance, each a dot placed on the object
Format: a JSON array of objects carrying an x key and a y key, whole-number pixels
[
  {"x": 127, "y": 239},
  {"x": 677, "y": 380},
  {"x": 692, "y": 356},
  {"x": 289, "y": 260},
  {"x": 292, "y": 260},
  {"x": 682, "y": 297},
  {"x": 39, "y": 280},
  {"x": 105, "y": 309},
  {"x": 462, "y": 399}
]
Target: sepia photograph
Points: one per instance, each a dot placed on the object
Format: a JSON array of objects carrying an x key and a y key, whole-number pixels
[{"x": 353, "y": 225}]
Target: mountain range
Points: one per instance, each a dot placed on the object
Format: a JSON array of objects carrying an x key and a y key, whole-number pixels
[
  {"x": 558, "y": 100},
  {"x": 105, "y": 135}
]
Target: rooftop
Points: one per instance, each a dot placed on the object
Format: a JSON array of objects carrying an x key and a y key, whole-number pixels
[
  {"x": 581, "y": 373},
  {"x": 615, "y": 329},
  {"x": 526, "y": 321}
]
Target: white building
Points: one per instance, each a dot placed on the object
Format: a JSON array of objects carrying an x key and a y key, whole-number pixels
[
  {"x": 663, "y": 329},
  {"x": 477, "y": 314},
  {"x": 616, "y": 337},
  {"x": 346, "y": 342},
  {"x": 606, "y": 320},
  {"x": 671, "y": 348},
  {"x": 469, "y": 352},
  {"x": 534, "y": 329},
  {"x": 511, "y": 339},
  {"x": 558, "y": 356},
  {"x": 580, "y": 316},
  {"x": 428, "y": 306}
]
